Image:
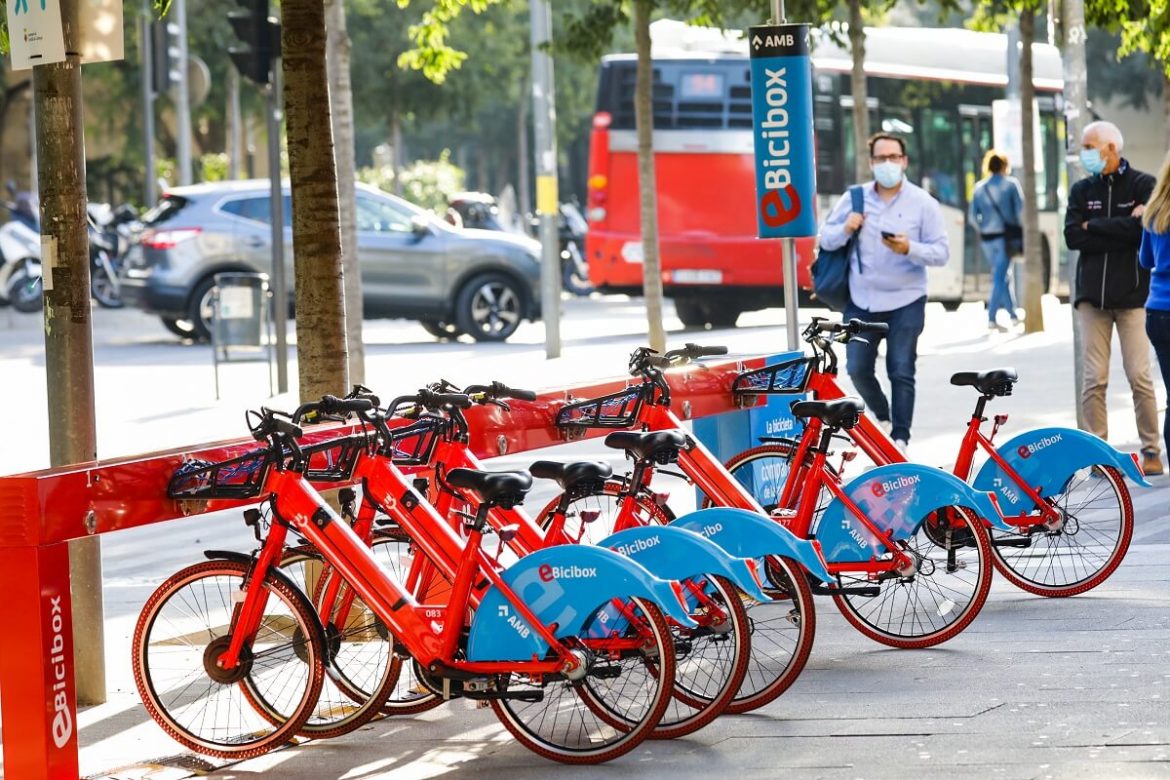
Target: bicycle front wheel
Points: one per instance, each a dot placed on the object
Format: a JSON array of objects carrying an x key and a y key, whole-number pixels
[
  {"x": 1096, "y": 515},
  {"x": 606, "y": 714},
  {"x": 951, "y": 575},
  {"x": 187, "y": 624}
]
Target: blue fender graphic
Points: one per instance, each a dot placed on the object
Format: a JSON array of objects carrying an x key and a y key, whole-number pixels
[
  {"x": 897, "y": 498},
  {"x": 749, "y": 535},
  {"x": 1045, "y": 458},
  {"x": 564, "y": 585},
  {"x": 672, "y": 553}
]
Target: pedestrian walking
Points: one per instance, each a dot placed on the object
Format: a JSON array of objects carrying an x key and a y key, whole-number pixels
[
  {"x": 900, "y": 233},
  {"x": 1103, "y": 223},
  {"x": 1155, "y": 256},
  {"x": 995, "y": 213}
]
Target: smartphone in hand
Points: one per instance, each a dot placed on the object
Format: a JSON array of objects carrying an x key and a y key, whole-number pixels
[{"x": 887, "y": 234}]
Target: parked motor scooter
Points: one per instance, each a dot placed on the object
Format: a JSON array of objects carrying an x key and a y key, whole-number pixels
[
  {"x": 111, "y": 234},
  {"x": 20, "y": 255}
]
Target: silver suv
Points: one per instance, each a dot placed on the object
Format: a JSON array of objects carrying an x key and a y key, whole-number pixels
[{"x": 413, "y": 265}]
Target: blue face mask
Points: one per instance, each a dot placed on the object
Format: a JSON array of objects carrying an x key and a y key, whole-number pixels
[
  {"x": 1091, "y": 159},
  {"x": 888, "y": 174}
]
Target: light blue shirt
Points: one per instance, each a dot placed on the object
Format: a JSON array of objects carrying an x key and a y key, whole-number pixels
[
  {"x": 995, "y": 191},
  {"x": 885, "y": 280}
]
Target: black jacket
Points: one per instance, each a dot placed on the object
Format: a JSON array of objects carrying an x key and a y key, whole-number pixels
[{"x": 1108, "y": 274}]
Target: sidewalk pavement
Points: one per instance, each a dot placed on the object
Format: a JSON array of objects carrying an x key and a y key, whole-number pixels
[{"x": 1034, "y": 688}]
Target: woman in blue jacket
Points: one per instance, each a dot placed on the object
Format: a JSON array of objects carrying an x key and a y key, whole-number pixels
[
  {"x": 997, "y": 203},
  {"x": 1155, "y": 255}
]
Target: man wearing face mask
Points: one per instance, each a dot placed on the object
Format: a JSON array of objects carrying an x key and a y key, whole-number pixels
[
  {"x": 1103, "y": 223},
  {"x": 900, "y": 233}
]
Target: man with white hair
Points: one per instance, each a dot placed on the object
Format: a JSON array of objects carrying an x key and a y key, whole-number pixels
[{"x": 1103, "y": 223}]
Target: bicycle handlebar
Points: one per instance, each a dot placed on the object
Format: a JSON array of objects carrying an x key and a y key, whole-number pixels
[
  {"x": 500, "y": 390},
  {"x": 428, "y": 399},
  {"x": 695, "y": 351},
  {"x": 270, "y": 423}
]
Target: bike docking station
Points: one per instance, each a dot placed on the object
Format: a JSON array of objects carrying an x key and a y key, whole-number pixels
[
  {"x": 241, "y": 321},
  {"x": 41, "y": 511}
]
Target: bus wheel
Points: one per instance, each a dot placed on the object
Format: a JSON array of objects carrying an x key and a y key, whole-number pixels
[
  {"x": 722, "y": 314},
  {"x": 690, "y": 311}
]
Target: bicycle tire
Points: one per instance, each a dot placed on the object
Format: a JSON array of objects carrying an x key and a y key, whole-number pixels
[
  {"x": 167, "y": 638},
  {"x": 898, "y": 618},
  {"x": 782, "y": 631},
  {"x": 782, "y": 636},
  {"x": 650, "y": 670},
  {"x": 360, "y": 659},
  {"x": 1065, "y": 565}
]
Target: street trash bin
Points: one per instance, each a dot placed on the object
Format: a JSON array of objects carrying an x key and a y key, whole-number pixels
[{"x": 241, "y": 326}]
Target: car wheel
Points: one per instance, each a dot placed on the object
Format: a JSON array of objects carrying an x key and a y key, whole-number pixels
[
  {"x": 181, "y": 328},
  {"x": 721, "y": 315},
  {"x": 952, "y": 305},
  {"x": 199, "y": 310},
  {"x": 490, "y": 307},
  {"x": 690, "y": 311},
  {"x": 440, "y": 329}
]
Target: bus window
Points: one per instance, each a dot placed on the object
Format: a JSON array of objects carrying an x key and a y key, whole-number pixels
[{"x": 942, "y": 166}]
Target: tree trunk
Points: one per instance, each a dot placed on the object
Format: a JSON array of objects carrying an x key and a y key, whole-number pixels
[
  {"x": 1033, "y": 261},
  {"x": 320, "y": 295},
  {"x": 523, "y": 193},
  {"x": 68, "y": 327},
  {"x": 860, "y": 93},
  {"x": 647, "y": 189},
  {"x": 341, "y": 103},
  {"x": 1165, "y": 108}
]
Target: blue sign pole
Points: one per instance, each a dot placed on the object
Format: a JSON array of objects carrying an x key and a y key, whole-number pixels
[{"x": 782, "y": 119}]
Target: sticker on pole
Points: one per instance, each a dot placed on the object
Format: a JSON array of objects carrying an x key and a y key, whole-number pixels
[
  {"x": 35, "y": 35},
  {"x": 782, "y": 124}
]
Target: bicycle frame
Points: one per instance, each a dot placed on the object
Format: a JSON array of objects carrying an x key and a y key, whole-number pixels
[{"x": 298, "y": 505}]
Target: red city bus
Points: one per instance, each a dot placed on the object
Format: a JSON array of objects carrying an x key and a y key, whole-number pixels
[
  {"x": 712, "y": 263},
  {"x": 936, "y": 87}
]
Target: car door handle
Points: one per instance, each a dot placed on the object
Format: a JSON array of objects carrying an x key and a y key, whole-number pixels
[{"x": 255, "y": 241}]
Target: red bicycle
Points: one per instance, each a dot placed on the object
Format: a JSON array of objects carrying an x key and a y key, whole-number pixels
[
  {"x": 903, "y": 573},
  {"x": 229, "y": 657},
  {"x": 1068, "y": 516},
  {"x": 712, "y": 655}
]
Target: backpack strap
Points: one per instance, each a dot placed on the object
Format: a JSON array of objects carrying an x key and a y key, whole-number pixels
[{"x": 858, "y": 197}]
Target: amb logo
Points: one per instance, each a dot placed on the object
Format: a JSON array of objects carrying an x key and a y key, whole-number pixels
[
  {"x": 880, "y": 489},
  {"x": 780, "y": 202},
  {"x": 549, "y": 573},
  {"x": 1028, "y": 450}
]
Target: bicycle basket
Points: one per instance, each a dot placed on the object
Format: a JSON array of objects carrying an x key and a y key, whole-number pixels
[
  {"x": 617, "y": 410},
  {"x": 240, "y": 477},
  {"x": 789, "y": 377},
  {"x": 412, "y": 445},
  {"x": 333, "y": 461}
]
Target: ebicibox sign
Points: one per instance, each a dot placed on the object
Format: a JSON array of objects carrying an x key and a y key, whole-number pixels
[
  {"x": 782, "y": 119},
  {"x": 34, "y": 33}
]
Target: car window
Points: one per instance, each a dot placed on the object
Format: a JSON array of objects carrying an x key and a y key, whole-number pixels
[
  {"x": 166, "y": 209},
  {"x": 257, "y": 208},
  {"x": 381, "y": 217}
]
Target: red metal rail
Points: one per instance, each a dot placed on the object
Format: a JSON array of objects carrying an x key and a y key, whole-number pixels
[{"x": 40, "y": 511}]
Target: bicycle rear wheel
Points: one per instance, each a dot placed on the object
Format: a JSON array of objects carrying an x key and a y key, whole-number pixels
[
  {"x": 239, "y": 713},
  {"x": 952, "y": 556},
  {"x": 591, "y": 518},
  {"x": 1097, "y": 515},
  {"x": 607, "y": 713},
  {"x": 362, "y": 669}
]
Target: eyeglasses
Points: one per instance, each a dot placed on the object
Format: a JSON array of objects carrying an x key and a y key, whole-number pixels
[{"x": 884, "y": 158}]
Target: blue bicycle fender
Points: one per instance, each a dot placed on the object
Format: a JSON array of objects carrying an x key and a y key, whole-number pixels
[
  {"x": 897, "y": 498},
  {"x": 671, "y": 553},
  {"x": 749, "y": 535},
  {"x": 1045, "y": 458},
  {"x": 564, "y": 585}
]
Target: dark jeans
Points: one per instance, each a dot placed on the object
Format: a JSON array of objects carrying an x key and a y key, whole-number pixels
[
  {"x": 901, "y": 355},
  {"x": 1158, "y": 329}
]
